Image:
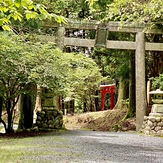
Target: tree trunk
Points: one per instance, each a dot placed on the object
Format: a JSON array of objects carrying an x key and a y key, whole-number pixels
[
  {"x": 132, "y": 104},
  {"x": 27, "y": 106},
  {"x": 97, "y": 101},
  {"x": 9, "y": 118},
  {"x": 85, "y": 105},
  {"x": 72, "y": 106},
  {"x": 121, "y": 94},
  {"x": 1, "y": 107}
]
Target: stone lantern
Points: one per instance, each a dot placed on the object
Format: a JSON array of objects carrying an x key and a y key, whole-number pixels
[
  {"x": 153, "y": 124},
  {"x": 157, "y": 99}
]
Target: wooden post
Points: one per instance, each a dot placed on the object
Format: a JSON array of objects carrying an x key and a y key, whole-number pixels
[
  {"x": 140, "y": 80},
  {"x": 102, "y": 101}
]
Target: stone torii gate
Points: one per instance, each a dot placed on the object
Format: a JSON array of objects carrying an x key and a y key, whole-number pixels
[{"x": 139, "y": 45}]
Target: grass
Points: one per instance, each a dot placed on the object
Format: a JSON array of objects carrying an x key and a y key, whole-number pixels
[{"x": 32, "y": 149}]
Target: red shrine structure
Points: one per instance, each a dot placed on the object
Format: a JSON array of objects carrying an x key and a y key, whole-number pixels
[{"x": 104, "y": 89}]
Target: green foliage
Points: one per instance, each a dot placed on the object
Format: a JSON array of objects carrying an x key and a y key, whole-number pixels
[
  {"x": 68, "y": 9},
  {"x": 113, "y": 63},
  {"x": 27, "y": 62},
  {"x": 78, "y": 106},
  {"x": 157, "y": 82},
  {"x": 25, "y": 9},
  {"x": 81, "y": 75},
  {"x": 136, "y": 11},
  {"x": 24, "y": 62},
  {"x": 99, "y": 9}
]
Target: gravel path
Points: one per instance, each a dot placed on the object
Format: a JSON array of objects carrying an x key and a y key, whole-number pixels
[
  {"x": 106, "y": 147},
  {"x": 91, "y": 147}
]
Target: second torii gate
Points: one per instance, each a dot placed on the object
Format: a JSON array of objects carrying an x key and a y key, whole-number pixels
[{"x": 104, "y": 90}]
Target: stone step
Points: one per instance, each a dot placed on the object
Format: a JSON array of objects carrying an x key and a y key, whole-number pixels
[{"x": 156, "y": 114}]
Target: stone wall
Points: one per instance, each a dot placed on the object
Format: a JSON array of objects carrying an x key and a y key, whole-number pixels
[
  {"x": 153, "y": 125},
  {"x": 49, "y": 118}
]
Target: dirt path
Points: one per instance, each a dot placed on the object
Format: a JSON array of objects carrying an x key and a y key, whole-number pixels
[{"x": 110, "y": 120}]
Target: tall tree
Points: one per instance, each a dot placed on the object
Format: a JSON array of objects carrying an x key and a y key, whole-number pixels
[
  {"x": 23, "y": 63},
  {"x": 28, "y": 101},
  {"x": 28, "y": 13}
]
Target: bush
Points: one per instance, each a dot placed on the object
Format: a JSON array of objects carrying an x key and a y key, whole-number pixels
[{"x": 157, "y": 82}]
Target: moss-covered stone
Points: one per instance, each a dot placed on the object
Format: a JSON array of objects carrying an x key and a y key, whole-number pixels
[
  {"x": 50, "y": 118},
  {"x": 44, "y": 125}
]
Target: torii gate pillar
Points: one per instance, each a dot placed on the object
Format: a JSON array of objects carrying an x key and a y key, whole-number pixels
[{"x": 140, "y": 79}]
